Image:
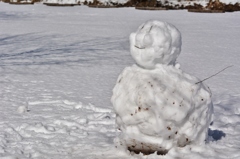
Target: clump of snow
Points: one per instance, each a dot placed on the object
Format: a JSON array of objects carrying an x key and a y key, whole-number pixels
[
  {"x": 155, "y": 42},
  {"x": 159, "y": 108},
  {"x": 23, "y": 108}
]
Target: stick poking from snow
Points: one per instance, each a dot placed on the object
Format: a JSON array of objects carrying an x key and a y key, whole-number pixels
[{"x": 214, "y": 74}]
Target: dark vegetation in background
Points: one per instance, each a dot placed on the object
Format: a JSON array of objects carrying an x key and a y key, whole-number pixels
[{"x": 147, "y": 4}]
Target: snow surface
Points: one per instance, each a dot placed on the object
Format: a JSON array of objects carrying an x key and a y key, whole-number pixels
[
  {"x": 63, "y": 1},
  {"x": 105, "y": 2},
  {"x": 229, "y": 1},
  {"x": 58, "y": 67}
]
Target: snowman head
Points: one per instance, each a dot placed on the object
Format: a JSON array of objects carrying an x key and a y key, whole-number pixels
[{"x": 155, "y": 42}]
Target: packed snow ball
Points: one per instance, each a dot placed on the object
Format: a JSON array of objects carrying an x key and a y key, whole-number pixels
[
  {"x": 155, "y": 42},
  {"x": 160, "y": 108}
]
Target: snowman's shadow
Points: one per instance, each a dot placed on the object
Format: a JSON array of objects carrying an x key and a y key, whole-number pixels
[{"x": 215, "y": 135}]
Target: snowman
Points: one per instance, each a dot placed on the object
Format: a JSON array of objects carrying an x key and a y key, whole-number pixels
[{"x": 158, "y": 106}]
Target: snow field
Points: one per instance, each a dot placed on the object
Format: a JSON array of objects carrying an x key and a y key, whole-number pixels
[
  {"x": 44, "y": 131},
  {"x": 54, "y": 59}
]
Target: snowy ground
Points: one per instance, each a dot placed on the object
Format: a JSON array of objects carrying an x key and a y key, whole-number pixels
[{"x": 59, "y": 65}]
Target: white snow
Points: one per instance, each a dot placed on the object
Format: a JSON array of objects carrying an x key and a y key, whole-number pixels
[
  {"x": 65, "y": 61},
  {"x": 105, "y": 2},
  {"x": 62, "y": 1},
  {"x": 229, "y": 1},
  {"x": 113, "y": 1},
  {"x": 161, "y": 108},
  {"x": 155, "y": 43}
]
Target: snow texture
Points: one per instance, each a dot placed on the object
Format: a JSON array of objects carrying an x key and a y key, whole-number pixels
[
  {"x": 63, "y": 1},
  {"x": 155, "y": 42},
  {"x": 161, "y": 108},
  {"x": 104, "y": 2},
  {"x": 58, "y": 66}
]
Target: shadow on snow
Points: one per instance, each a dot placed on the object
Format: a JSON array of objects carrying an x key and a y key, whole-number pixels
[
  {"x": 41, "y": 49},
  {"x": 216, "y": 134}
]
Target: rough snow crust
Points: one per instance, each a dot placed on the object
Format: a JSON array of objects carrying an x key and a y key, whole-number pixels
[
  {"x": 161, "y": 108},
  {"x": 155, "y": 42}
]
